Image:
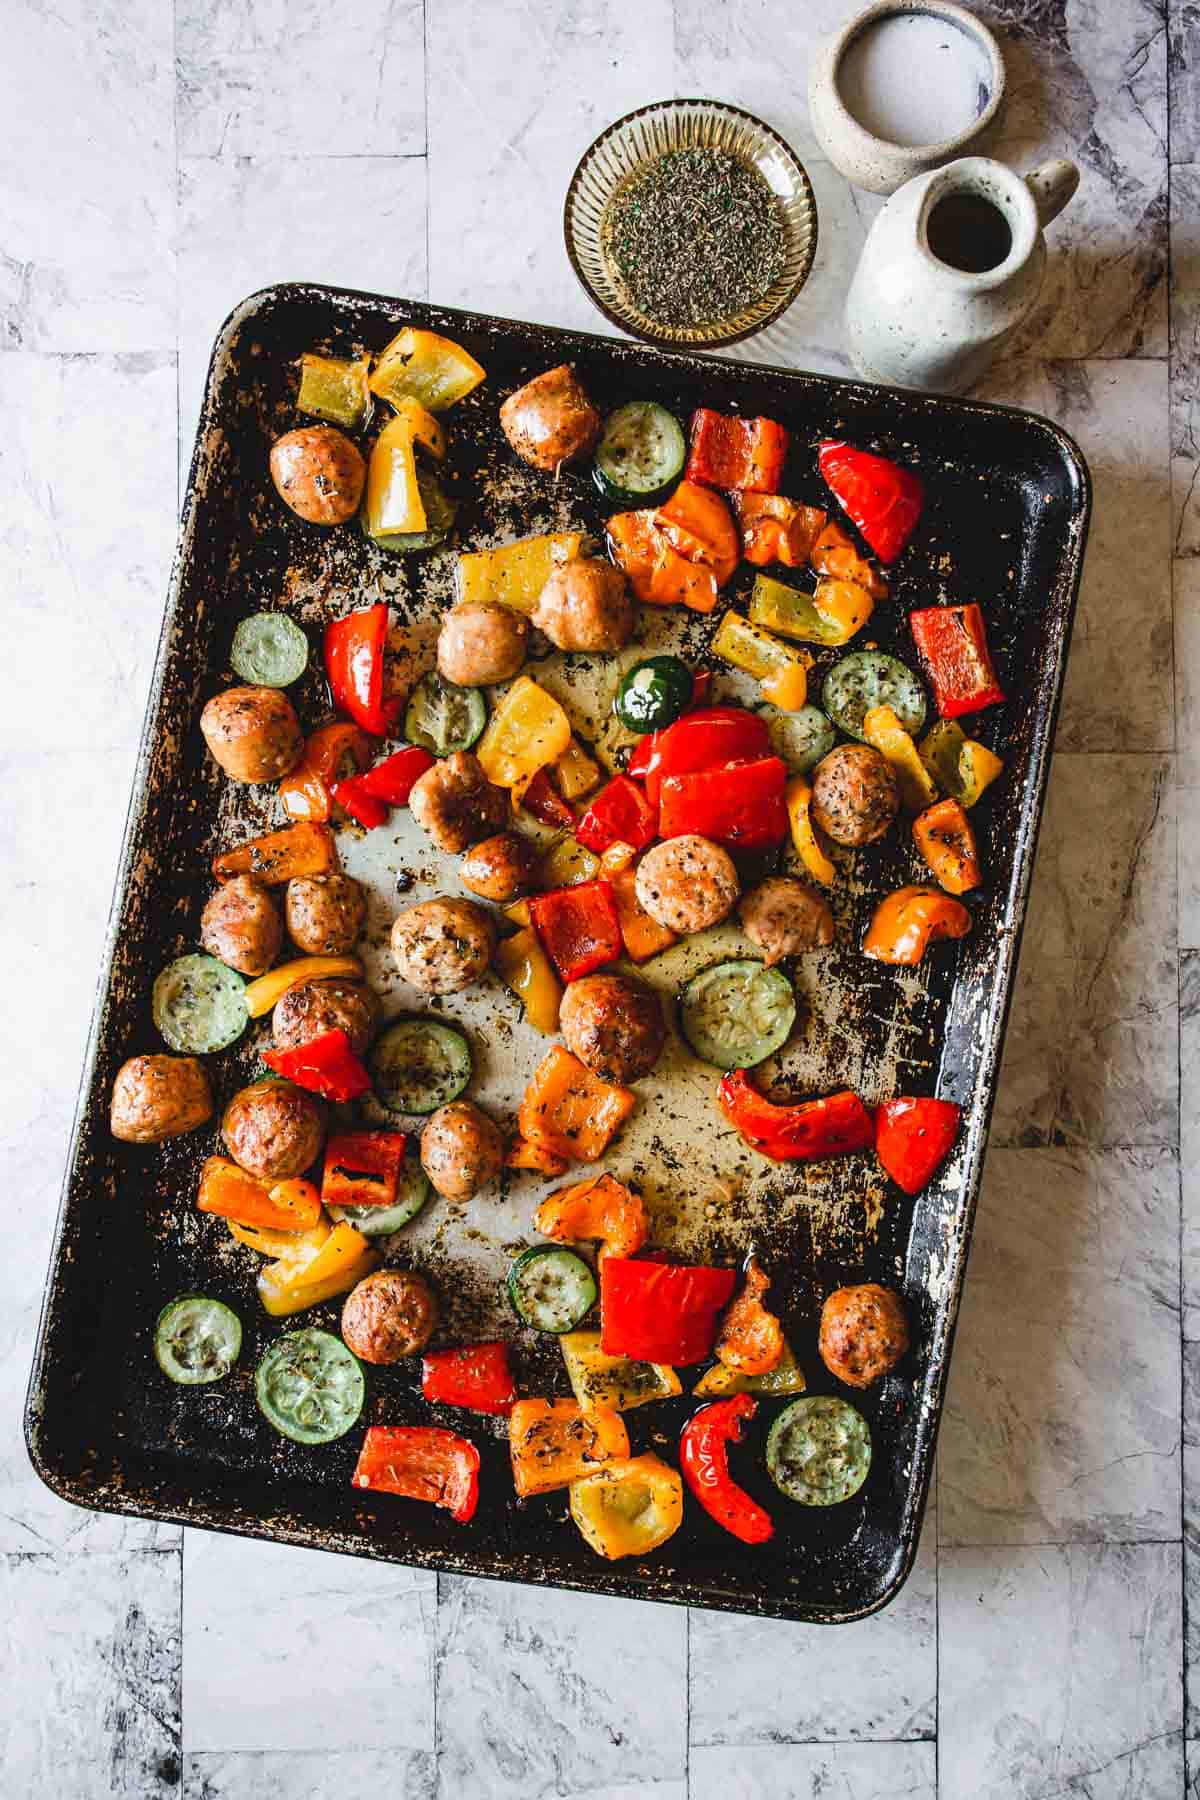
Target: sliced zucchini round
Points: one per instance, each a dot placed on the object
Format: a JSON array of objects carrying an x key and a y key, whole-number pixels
[
  {"x": 551, "y": 1289},
  {"x": 412, "y": 1191},
  {"x": 443, "y": 718},
  {"x": 737, "y": 1013},
  {"x": 418, "y": 1065},
  {"x": 269, "y": 650},
  {"x": 654, "y": 693},
  {"x": 801, "y": 738},
  {"x": 310, "y": 1387},
  {"x": 868, "y": 678},
  {"x": 819, "y": 1451},
  {"x": 197, "y": 1339},
  {"x": 199, "y": 1005},
  {"x": 642, "y": 451}
]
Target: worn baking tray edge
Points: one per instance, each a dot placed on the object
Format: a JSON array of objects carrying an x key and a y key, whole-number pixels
[{"x": 92, "y": 1490}]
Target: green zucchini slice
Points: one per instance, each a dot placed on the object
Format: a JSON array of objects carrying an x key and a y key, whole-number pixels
[
  {"x": 819, "y": 1451},
  {"x": 737, "y": 1013}
]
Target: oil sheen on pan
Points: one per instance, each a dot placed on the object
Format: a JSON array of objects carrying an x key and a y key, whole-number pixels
[{"x": 1005, "y": 524}]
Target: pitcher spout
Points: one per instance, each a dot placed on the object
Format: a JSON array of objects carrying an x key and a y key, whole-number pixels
[{"x": 1053, "y": 186}]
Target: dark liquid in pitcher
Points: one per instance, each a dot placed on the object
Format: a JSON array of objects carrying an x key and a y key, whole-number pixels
[{"x": 969, "y": 233}]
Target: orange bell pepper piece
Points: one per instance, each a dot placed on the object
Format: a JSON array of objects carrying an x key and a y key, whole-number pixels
[
  {"x": 908, "y": 921},
  {"x": 603, "y": 1210},
  {"x": 532, "y": 1153},
  {"x": 697, "y": 522},
  {"x": 776, "y": 529},
  {"x": 835, "y": 553},
  {"x": 570, "y": 1110},
  {"x": 306, "y": 793},
  {"x": 944, "y": 837},
  {"x": 554, "y": 1442},
  {"x": 750, "y": 1340},
  {"x": 657, "y": 573},
  {"x": 643, "y": 936},
  {"x": 232, "y": 1194},
  {"x": 304, "y": 849}
]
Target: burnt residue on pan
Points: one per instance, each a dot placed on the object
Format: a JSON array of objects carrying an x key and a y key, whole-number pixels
[{"x": 1006, "y": 525}]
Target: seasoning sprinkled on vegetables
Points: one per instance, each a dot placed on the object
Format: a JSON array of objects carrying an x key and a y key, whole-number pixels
[{"x": 696, "y": 236}]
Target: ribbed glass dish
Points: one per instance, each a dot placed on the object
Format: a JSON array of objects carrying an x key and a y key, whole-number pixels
[{"x": 635, "y": 140}]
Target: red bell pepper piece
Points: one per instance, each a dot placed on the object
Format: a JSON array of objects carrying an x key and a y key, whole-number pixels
[
  {"x": 354, "y": 662},
  {"x": 326, "y": 1065},
  {"x": 913, "y": 1139},
  {"x": 579, "y": 927},
  {"x": 704, "y": 1461},
  {"x": 706, "y": 739},
  {"x": 880, "y": 497},
  {"x": 369, "y": 797},
  {"x": 953, "y": 646},
  {"x": 619, "y": 814},
  {"x": 362, "y": 1168},
  {"x": 541, "y": 798},
  {"x": 701, "y": 688},
  {"x": 476, "y": 1376},
  {"x": 731, "y": 452},
  {"x": 358, "y": 800},
  {"x": 421, "y": 1462},
  {"x": 661, "y": 1312},
  {"x": 741, "y": 804},
  {"x": 799, "y": 1133}
]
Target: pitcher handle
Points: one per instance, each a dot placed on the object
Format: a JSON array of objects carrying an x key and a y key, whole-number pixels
[{"x": 1052, "y": 186}]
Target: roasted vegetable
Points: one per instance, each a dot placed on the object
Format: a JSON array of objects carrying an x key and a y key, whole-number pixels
[
  {"x": 261, "y": 995},
  {"x": 554, "y": 1442},
  {"x": 628, "y": 1508},
  {"x": 427, "y": 368},
  {"x": 908, "y": 921},
  {"x": 944, "y": 837},
  {"x": 528, "y": 730},
  {"x": 571, "y": 1110},
  {"x": 750, "y": 1340},
  {"x": 602, "y": 1210},
  {"x": 335, "y": 388}
]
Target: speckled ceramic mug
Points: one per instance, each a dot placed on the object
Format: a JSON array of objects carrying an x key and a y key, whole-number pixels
[{"x": 874, "y": 162}]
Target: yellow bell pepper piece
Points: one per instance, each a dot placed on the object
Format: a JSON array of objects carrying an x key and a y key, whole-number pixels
[
  {"x": 429, "y": 368},
  {"x": 515, "y": 574},
  {"x": 567, "y": 863},
  {"x": 527, "y": 730},
  {"x": 798, "y": 798},
  {"x": 884, "y": 732},
  {"x": 523, "y": 966},
  {"x": 782, "y": 671},
  {"x": 576, "y": 773},
  {"x": 831, "y": 614},
  {"x": 960, "y": 765},
  {"x": 786, "y": 1377},
  {"x": 282, "y": 1297},
  {"x": 262, "y": 994},
  {"x": 630, "y": 1507},
  {"x": 616, "y": 1381},
  {"x": 616, "y": 859},
  {"x": 335, "y": 388},
  {"x": 286, "y": 1246},
  {"x": 342, "y": 1247},
  {"x": 518, "y": 912},
  {"x": 394, "y": 499}
]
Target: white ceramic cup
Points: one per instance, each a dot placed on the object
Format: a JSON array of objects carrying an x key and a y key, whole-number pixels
[{"x": 873, "y": 162}]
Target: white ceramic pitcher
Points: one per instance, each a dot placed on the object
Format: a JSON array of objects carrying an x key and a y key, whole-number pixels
[{"x": 915, "y": 319}]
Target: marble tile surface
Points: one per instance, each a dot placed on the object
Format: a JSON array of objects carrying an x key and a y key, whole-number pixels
[
  {"x": 546, "y": 1694},
  {"x": 1189, "y": 1145},
  {"x": 1062, "y": 1414},
  {"x": 1183, "y": 32},
  {"x": 248, "y": 1606},
  {"x": 1060, "y": 1673},
  {"x": 259, "y": 79},
  {"x": 308, "y": 1775},
  {"x": 1091, "y": 1056},
  {"x": 245, "y": 222},
  {"x": 1118, "y": 693},
  {"x": 873, "y": 1679},
  {"x": 1185, "y": 356},
  {"x": 1187, "y": 773},
  {"x": 814, "y": 1772},
  {"x": 89, "y": 1666},
  {"x": 87, "y": 215},
  {"x": 502, "y": 148}
]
